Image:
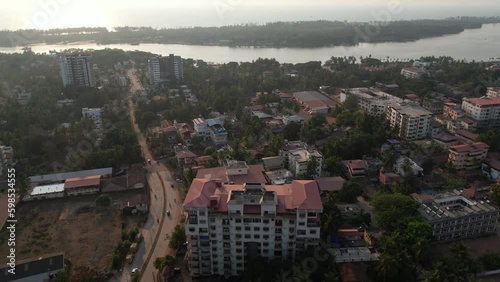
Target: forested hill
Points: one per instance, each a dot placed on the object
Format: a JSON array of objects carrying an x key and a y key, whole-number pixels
[{"x": 278, "y": 34}]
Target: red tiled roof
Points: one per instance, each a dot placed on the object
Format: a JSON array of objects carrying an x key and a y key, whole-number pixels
[
  {"x": 82, "y": 181},
  {"x": 331, "y": 120},
  {"x": 467, "y": 134},
  {"x": 300, "y": 194},
  {"x": 421, "y": 197},
  {"x": 471, "y": 193},
  {"x": 330, "y": 183},
  {"x": 484, "y": 101},
  {"x": 445, "y": 137},
  {"x": 185, "y": 154},
  {"x": 467, "y": 120},
  {"x": 349, "y": 233},
  {"x": 478, "y": 146},
  {"x": 355, "y": 164}
]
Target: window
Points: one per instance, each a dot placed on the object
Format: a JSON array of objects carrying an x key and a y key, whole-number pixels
[
  {"x": 238, "y": 220},
  {"x": 247, "y": 228},
  {"x": 256, "y": 228},
  {"x": 202, "y": 213},
  {"x": 247, "y": 236},
  {"x": 256, "y": 236},
  {"x": 265, "y": 229},
  {"x": 238, "y": 228}
]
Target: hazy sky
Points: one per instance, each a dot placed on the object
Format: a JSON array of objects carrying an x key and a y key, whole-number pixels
[{"x": 44, "y": 14}]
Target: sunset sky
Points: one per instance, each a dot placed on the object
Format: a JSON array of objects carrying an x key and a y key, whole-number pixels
[{"x": 44, "y": 14}]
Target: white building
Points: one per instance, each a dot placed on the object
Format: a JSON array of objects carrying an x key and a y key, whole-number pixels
[
  {"x": 412, "y": 121},
  {"x": 413, "y": 72},
  {"x": 493, "y": 92},
  {"x": 154, "y": 70},
  {"x": 200, "y": 125},
  {"x": 371, "y": 100},
  {"x": 485, "y": 111},
  {"x": 76, "y": 69},
  {"x": 45, "y": 192},
  {"x": 298, "y": 161},
  {"x": 227, "y": 225}
]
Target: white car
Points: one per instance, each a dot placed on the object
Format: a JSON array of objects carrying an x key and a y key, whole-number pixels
[{"x": 135, "y": 270}]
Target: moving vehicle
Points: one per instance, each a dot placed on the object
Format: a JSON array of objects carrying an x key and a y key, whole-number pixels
[
  {"x": 135, "y": 270},
  {"x": 168, "y": 213}
]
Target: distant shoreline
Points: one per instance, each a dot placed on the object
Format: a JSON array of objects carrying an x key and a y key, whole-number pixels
[{"x": 313, "y": 34}]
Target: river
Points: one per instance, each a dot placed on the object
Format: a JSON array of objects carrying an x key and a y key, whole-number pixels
[{"x": 472, "y": 44}]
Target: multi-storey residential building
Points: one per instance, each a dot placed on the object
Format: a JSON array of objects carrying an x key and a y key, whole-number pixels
[
  {"x": 485, "y": 111},
  {"x": 218, "y": 134},
  {"x": 452, "y": 111},
  {"x": 298, "y": 161},
  {"x": 174, "y": 66},
  {"x": 154, "y": 70},
  {"x": 371, "y": 100},
  {"x": 165, "y": 68},
  {"x": 414, "y": 72},
  {"x": 227, "y": 225},
  {"x": 412, "y": 121},
  {"x": 455, "y": 215},
  {"x": 6, "y": 158},
  {"x": 493, "y": 92},
  {"x": 200, "y": 125},
  {"x": 76, "y": 69},
  {"x": 468, "y": 156}
]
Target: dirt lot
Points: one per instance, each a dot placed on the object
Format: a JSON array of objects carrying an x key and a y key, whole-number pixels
[
  {"x": 476, "y": 246},
  {"x": 86, "y": 234}
]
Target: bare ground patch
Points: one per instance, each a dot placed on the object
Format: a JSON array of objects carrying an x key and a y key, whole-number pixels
[{"x": 85, "y": 233}]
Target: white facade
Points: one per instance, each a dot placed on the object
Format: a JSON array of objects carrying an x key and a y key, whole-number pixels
[
  {"x": 154, "y": 70},
  {"x": 76, "y": 69},
  {"x": 413, "y": 72},
  {"x": 413, "y": 122},
  {"x": 493, "y": 92},
  {"x": 46, "y": 192},
  {"x": 370, "y": 100},
  {"x": 201, "y": 127},
  {"x": 485, "y": 111},
  {"x": 252, "y": 224},
  {"x": 298, "y": 161}
]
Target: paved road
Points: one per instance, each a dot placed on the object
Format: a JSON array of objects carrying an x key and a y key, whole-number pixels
[{"x": 163, "y": 198}]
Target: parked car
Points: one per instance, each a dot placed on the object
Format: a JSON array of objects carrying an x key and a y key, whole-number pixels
[
  {"x": 168, "y": 213},
  {"x": 178, "y": 180}
]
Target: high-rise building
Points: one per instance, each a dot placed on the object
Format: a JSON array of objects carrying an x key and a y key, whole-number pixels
[
  {"x": 165, "y": 68},
  {"x": 154, "y": 70},
  {"x": 229, "y": 224},
  {"x": 76, "y": 69},
  {"x": 412, "y": 121}
]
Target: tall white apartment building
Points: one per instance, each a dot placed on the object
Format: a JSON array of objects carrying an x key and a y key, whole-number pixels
[
  {"x": 412, "y": 121},
  {"x": 76, "y": 69},
  {"x": 485, "y": 111},
  {"x": 228, "y": 225},
  {"x": 154, "y": 70}
]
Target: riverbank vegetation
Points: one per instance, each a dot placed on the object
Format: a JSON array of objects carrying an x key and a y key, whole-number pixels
[{"x": 277, "y": 34}]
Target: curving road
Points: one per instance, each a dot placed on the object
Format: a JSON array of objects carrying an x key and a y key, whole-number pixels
[{"x": 163, "y": 198}]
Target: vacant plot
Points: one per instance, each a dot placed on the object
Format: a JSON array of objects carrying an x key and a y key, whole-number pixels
[
  {"x": 476, "y": 246},
  {"x": 85, "y": 233}
]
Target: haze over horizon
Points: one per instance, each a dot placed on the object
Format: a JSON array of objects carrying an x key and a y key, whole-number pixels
[{"x": 48, "y": 14}]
